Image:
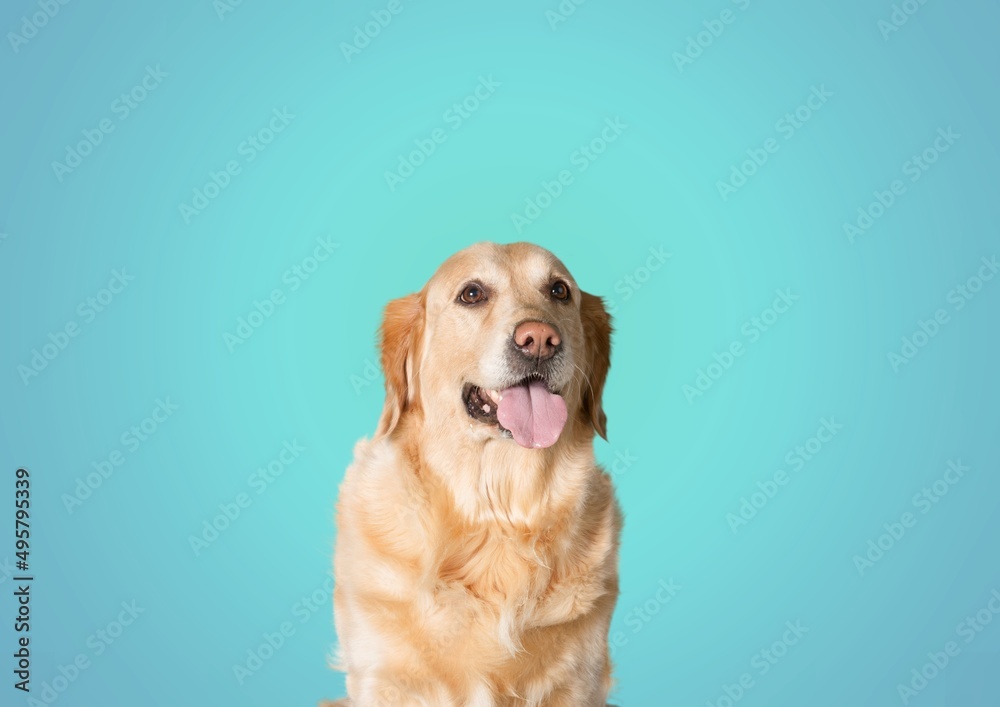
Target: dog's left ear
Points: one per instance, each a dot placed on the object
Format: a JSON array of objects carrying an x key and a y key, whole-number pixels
[
  {"x": 597, "y": 335},
  {"x": 399, "y": 336}
]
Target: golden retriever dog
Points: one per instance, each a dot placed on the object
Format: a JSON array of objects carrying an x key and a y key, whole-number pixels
[{"x": 476, "y": 560}]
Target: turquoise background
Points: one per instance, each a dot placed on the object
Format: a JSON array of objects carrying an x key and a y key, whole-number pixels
[{"x": 304, "y": 377}]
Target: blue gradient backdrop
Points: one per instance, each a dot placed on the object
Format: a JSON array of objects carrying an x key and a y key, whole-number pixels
[{"x": 747, "y": 134}]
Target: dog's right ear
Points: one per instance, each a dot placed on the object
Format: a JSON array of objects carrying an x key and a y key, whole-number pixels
[
  {"x": 399, "y": 337},
  {"x": 597, "y": 330}
]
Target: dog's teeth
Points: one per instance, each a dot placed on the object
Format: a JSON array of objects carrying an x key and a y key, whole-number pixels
[
  {"x": 495, "y": 395},
  {"x": 486, "y": 409}
]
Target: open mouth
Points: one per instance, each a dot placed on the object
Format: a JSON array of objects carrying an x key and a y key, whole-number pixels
[
  {"x": 482, "y": 404},
  {"x": 529, "y": 411}
]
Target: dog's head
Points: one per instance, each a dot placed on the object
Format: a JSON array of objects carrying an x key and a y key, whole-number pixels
[{"x": 500, "y": 343}]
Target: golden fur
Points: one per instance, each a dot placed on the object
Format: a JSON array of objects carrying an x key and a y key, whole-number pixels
[{"x": 471, "y": 571}]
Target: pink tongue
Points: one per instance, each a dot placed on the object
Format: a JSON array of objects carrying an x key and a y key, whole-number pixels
[{"x": 532, "y": 414}]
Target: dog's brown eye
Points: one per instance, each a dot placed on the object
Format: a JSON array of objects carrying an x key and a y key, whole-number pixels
[
  {"x": 472, "y": 294},
  {"x": 560, "y": 290}
]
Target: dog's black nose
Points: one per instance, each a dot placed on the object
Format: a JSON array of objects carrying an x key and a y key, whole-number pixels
[{"x": 537, "y": 340}]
